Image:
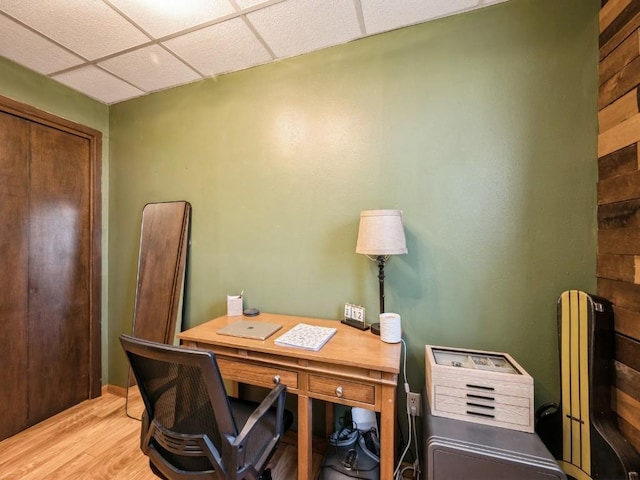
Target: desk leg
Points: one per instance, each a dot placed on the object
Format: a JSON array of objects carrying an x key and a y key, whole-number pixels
[
  {"x": 387, "y": 432},
  {"x": 305, "y": 459}
]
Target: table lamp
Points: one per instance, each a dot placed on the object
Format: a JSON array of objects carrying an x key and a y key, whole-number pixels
[{"x": 381, "y": 235}]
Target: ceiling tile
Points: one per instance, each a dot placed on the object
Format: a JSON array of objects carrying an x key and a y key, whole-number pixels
[
  {"x": 90, "y": 28},
  {"x": 249, "y": 3},
  {"x": 223, "y": 47},
  {"x": 150, "y": 68},
  {"x": 164, "y": 17},
  {"x": 115, "y": 42},
  {"x": 97, "y": 83},
  {"x": 21, "y": 45},
  {"x": 298, "y": 26},
  {"x": 383, "y": 15}
]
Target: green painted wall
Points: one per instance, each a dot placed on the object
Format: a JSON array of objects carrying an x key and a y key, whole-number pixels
[
  {"x": 481, "y": 127},
  {"x": 28, "y": 87}
]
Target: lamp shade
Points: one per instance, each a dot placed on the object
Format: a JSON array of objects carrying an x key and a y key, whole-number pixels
[{"x": 381, "y": 233}]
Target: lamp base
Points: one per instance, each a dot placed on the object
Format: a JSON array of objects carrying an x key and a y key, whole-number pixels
[{"x": 375, "y": 328}]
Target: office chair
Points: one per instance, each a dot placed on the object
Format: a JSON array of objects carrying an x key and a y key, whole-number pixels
[{"x": 191, "y": 429}]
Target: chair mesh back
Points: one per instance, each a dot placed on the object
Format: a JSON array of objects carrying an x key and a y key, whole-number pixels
[{"x": 179, "y": 402}]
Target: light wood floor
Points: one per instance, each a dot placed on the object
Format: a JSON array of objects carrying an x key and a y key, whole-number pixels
[{"x": 96, "y": 440}]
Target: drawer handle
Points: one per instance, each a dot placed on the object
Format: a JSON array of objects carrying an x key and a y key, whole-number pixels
[
  {"x": 276, "y": 379},
  {"x": 339, "y": 392},
  {"x": 479, "y": 397},
  {"x": 486, "y": 415},
  {"x": 479, "y": 405},
  {"x": 481, "y": 387}
]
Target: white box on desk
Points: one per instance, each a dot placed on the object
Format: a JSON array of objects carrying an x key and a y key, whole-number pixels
[
  {"x": 478, "y": 386},
  {"x": 234, "y": 305}
]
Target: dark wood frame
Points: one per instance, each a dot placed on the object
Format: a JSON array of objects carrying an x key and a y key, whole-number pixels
[{"x": 94, "y": 137}]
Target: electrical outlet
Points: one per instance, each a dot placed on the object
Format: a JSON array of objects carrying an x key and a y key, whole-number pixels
[{"x": 413, "y": 404}]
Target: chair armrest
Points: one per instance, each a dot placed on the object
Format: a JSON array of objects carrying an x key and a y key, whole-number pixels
[{"x": 277, "y": 394}]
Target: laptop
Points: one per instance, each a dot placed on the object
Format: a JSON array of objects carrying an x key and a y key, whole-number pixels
[{"x": 250, "y": 329}]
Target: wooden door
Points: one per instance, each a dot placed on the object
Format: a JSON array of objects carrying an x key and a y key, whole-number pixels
[
  {"x": 50, "y": 253},
  {"x": 58, "y": 320},
  {"x": 14, "y": 255}
]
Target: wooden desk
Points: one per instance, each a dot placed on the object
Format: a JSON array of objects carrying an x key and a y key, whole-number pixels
[{"x": 354, "y": 368}]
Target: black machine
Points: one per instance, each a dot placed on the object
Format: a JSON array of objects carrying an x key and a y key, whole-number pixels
[
  {"x": 457, "y": 450},
  {"x": 352, "y": 454},
  {"x": 581, "y": 432}
]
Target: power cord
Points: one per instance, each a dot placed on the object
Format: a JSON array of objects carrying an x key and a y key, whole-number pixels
[
  {"x": 415, "y": 466},
  {"x": 411, "y": 428}
]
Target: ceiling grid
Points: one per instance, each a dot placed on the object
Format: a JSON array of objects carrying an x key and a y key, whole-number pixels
[{"x": 114, "y": 50}]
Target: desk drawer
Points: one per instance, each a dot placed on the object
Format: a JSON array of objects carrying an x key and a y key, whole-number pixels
[
  {"x": 340, "y": 389},
  {"x": 488, "y": 398},
  {"x": 475, "y": 382},
  {"x": 486, "y": 412},
  {"x": 253, "y": 374}
]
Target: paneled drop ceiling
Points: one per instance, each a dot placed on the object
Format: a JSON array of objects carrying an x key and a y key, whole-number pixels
[{"x": 114, "y": 50}]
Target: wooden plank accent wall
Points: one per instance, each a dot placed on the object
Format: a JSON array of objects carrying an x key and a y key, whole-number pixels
[{"x": 618, "y": 265}]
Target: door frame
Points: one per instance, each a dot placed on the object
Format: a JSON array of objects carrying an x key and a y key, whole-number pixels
[{"x": 27, "y": 112}]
